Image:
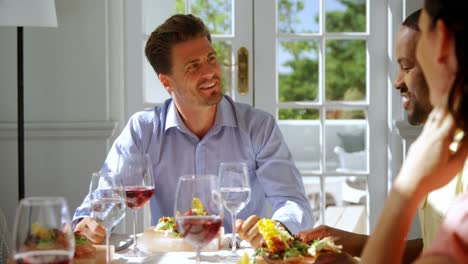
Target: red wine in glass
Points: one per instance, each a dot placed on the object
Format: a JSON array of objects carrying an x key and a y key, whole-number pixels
[
  {"x": 137, "y": 196},
  {"x": 199, "y": 230}
]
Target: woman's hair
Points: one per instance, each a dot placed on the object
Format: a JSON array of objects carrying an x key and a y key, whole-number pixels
[
  {"x": 454, "y": 13},
  {"x": 176, "y": 29}
]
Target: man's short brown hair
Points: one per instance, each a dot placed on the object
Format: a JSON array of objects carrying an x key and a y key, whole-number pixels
[{"x": 176, "y": 29}]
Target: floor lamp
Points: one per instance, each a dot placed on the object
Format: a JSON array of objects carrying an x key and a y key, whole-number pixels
[{"x": 25, "y": 13}]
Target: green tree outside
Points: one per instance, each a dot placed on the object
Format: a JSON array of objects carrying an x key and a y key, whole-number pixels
[{"x": 345, "y": 61}]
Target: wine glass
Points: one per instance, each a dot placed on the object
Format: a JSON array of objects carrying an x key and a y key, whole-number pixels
[
  {"x": 135, "y": 172},
  {"x": 42, "y": 231},
  {"x": 235, "y": 190},
  {"x": 107, "y": 202},
  {"x": 198, "y": 210}
]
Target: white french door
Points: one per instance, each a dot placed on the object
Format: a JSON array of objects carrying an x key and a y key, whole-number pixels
[{"x": 318, "y": 66}]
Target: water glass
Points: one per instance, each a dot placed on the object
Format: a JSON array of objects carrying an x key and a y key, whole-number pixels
[
  {"x": 107, "y": 202},
  {"x": 234, "y": 186}
]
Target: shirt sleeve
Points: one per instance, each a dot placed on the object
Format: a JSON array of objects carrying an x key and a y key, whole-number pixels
[
  {"x": 280, "y": 178},
  {"x": 128, "y": 141},
  {"x": 452, "y": 238}
]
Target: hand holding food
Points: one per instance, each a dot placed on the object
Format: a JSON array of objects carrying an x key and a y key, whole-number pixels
[
  {"x": 248, "y": 230},
  {"x": 278, "y": 245},
  {"x": 83, "y": 247},
  {"x": 93, "y": 231},
  {"x": 354, "y": 243}
]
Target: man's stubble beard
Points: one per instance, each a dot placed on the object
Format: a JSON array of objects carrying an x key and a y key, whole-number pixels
[
  {"x": 214, "y": 98},
  {"x": 419, "y": 115}
]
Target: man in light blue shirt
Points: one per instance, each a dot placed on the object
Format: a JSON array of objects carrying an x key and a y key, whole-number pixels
[{"x": 198, "y": 128}]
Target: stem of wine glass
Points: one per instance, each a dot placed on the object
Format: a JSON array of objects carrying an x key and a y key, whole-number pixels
[
  {"x": 108, "y": 255},
  {"x": 134, "y": 230},
  {"x": 233, "y": 242},
  {"x": 198, "y": 252}
]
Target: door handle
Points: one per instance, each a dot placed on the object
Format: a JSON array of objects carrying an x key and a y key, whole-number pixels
[{"x": 242, "y": 70}]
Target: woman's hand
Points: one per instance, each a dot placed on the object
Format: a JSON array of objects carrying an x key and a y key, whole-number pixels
[
  {"x": 352, "y": 243},
  {"x": 430, "y": 164}
]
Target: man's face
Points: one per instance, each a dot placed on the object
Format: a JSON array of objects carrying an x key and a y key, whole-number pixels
[
  {"x": 195, "y": 77},
  {"x": 410, "y": 80}
]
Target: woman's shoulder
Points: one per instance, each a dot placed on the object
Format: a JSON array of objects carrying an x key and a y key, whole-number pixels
[{"x": 452, "y": 238}]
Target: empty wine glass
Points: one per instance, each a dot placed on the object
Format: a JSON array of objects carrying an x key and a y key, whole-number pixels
[
  {"x": 198, "y": 210},
  {"x": 107, "y": 202},
  {"x": 234, "y": 186},
  {"x": 42, "y": 231},
  {"x": 135, "y": 172}
]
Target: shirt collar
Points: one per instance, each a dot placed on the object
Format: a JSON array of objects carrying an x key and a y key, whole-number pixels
[
  {"x": 225, "y": 115},
  {"x": 173, "y": 118}
]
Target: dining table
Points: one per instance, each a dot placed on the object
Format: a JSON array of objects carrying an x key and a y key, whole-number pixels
[{"x": 223, "y": 255}]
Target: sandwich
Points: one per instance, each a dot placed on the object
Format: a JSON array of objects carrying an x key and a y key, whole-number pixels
[
  {"x": 279, "y": 246},
  {"x": 168, "y": 226},
  {"x": 324, "y": 245},
  {"x": 83, "y": 247}
]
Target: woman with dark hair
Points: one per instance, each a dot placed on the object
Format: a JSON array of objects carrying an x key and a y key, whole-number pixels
[{"x": 438, "y": 154}]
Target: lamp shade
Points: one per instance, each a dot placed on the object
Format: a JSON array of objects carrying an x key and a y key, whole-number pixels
[{"x": 28, "y": 13}]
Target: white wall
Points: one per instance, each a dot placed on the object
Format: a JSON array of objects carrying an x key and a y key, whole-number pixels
[
  {"x": 8, "y": 154},
  {"x": 73, "y": 101}
]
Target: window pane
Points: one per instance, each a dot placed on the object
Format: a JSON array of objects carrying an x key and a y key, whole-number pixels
[
  {"x": 297, "y": 64},
  {"x": 216, "y": 14},
  {"x": 298, "y": 16},
  {"x": 345, "y": 140},
  {"x": 298, "y": 114},
  {"x": 303, "y": 140},
  {"x": 345, "y": 77},
  {"x": 313, "y": 194},
  {"x": 224, "y": 55},
  {"x": 346, "y": 206},
  {"x": 180, "y": 7},
  {"x": 345, "y": 15},
  {"x": 154, "y": 14}
]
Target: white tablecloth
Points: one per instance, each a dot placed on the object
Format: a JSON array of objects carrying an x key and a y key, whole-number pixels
[{"x": 221, "y": 256}]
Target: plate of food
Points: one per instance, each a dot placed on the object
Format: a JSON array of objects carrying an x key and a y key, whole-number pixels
[
  {"x": 280, "y": 247},
  {"x": 165, "y": 236}
]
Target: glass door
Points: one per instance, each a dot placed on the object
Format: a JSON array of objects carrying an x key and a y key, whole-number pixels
[{"x": 315, "y": 64}]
